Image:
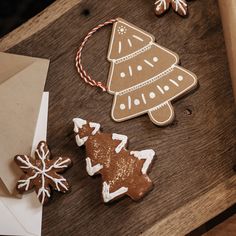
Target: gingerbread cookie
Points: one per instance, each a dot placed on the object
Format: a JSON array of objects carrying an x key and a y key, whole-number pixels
[
  {"x": 144, "y": 77},
  {"x": 123, "y": 172},
  {"x": 179, "y": 6},
  {"x": 42, "y": 172}
]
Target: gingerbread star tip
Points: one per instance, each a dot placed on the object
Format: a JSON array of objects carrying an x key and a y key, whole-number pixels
[{"x": 179, "y": 6}]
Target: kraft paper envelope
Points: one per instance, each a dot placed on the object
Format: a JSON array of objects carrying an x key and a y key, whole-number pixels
[
  {"x": 22, "y": 81},
  {"x": 24, "y": 216}
]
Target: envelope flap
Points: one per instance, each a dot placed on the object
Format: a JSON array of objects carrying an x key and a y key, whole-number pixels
[
  {"x": 12, "y": 64},
  {"x": 20, "y": 98}
]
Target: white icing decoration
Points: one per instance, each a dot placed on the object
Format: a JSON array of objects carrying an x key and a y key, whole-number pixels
[
  {"x": 129, "y": 102},
  {"x": 122, "y": 30},
  {"x": 107, "y": 196},
  {"x": 92, "y": 169},
  {"x": 136, "y": 102},
  {"x": 146, "y": 155},
  {"x": 148, "y": 63},
  {"x": 144, "y": 99},
  {"x": 139, "y": 68},
  {"x": 152, "y": 95},
  {"x": 96, "y": 127},
  {"x": 122, "y": 138},
  {"x": 122, "y": 75},
  {"x": 134, "y": 54},
  {"x": 180, "y": 4},
  {"x": 159, "y": 3},
  {"x": 166, "y": 88},
  {"x": 137, "y": 37},
  {"x": 122, "y": 106},
  {"x": 147, "y": 82},
  {"x": 174, "y": 82},
  {"x": 130, "y": 71},
  {"x": 160, "y": 89},
  {"x": 80, "y": 141},
  {"x": 180, "y": 77},
  {"x": 43, "y": 172},
  {"x": 155, "y": 59},
  {"x": 120, "y": 47},
  {"x": 130, "y": 43},
  {"x": 78, "y": 124}
]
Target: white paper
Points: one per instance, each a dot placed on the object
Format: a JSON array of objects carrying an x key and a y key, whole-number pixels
[{"x": 24, "y": 216}]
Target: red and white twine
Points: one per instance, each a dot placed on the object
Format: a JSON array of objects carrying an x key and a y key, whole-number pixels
[{"x": 80, "y": 69}]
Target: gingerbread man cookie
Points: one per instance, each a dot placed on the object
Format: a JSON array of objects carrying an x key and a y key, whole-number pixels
[
  {"x": 179, "y": 6},
  {"x": 123, "y": 172},
  {"x": 144, "y": 76},
  {"x": 42, "y": 173}
]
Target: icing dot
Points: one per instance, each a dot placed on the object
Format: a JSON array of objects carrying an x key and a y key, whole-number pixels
[
  {"x": 122, "y": 106},
  {"x": 122, "y": 30},
  {"x": 166, "y": 88},
  {"x": 152, "y": 95},
  {"x": 180, "y": 77},
  {"x": 136, "y": 102},
  {"x": 122, "y": 75},
  {"x": 155, "y": 59},
  {"x": 139, "y": 68}
]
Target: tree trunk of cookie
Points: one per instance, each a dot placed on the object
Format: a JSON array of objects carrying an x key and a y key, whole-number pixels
[{"x": 162, "y": 115}]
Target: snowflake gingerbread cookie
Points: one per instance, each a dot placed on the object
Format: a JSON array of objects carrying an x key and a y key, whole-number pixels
[
  {"x": 42, "y": 173},
  {"x": 123, "y": 172},
  {"x": 179, "y": 6}
]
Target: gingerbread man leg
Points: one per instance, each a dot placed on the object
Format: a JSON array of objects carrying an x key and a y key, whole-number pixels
[
  {"x": 92, "y": 170},
  {"x": 108, "y": 196}
]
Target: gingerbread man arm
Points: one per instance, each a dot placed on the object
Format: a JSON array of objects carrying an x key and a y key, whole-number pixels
[
  {"x": 92, "y": 170},
  {"x": 146, "y": 155},
  {"x": 123, "y": 143},
  {"x": 107, "y": 196}
]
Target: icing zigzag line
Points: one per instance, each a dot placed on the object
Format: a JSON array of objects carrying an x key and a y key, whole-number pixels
[
  {"x": 134, "y": 54},
  {"x": 147, "y": 82}
]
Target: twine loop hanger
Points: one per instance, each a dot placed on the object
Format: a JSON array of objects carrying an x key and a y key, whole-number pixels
[{"x": 78, "y": 60}]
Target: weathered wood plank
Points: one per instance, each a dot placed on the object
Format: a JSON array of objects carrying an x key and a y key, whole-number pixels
[{"x": 37, "y": 23}]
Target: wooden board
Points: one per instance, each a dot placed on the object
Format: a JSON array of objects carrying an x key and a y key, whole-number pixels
[
  {"x": 193, "y": 175},
  {"x": 226, "y": 228}
]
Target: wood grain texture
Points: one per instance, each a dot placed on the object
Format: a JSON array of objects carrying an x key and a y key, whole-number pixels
[
  {"x": 37, "y": 23},
  {"x": 193, "y": 174}
]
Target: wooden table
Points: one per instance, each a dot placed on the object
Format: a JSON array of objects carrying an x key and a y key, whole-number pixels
[{"x": 193, "y": 172}]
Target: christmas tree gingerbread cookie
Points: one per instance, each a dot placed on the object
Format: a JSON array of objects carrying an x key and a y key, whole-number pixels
[
  {"x": 123, "y": 172},
  {"x": 144, "y": 77}
]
